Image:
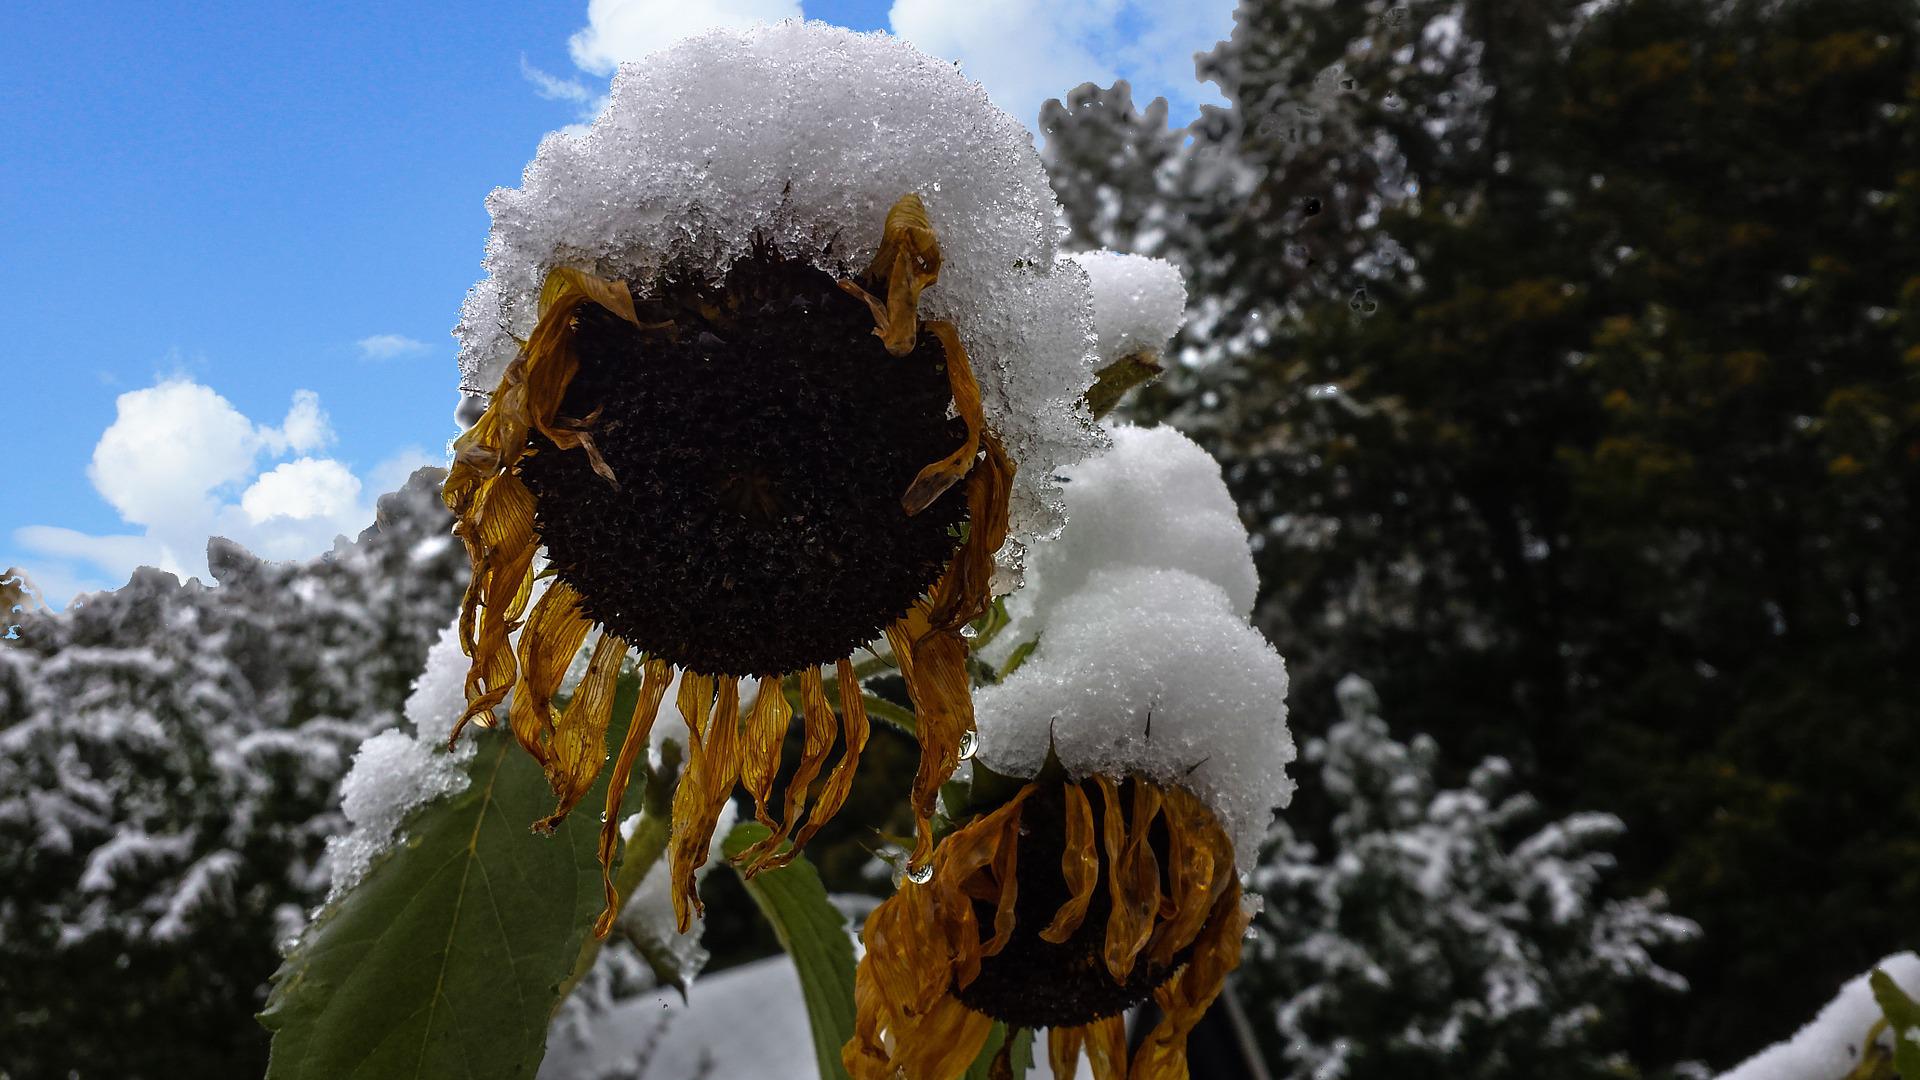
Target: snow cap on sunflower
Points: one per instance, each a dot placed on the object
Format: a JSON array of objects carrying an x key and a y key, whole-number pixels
[
  {"x": 778, "y": 360},
  {"x": 1129, "y": 762}
]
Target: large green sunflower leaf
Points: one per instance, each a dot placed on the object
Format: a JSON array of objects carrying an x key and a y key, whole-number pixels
[
  {"x": 446, "y": 961},
  {"x": 814, "y": 934}
]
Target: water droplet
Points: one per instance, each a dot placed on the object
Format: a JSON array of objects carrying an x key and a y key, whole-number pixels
[
  {"x": 920, "y": 875},
  {"x": 1310, "y": 206},
  {"x": 1391, "y": 102},
  {"x": 969, "y": 742},
  {"x": 1253, "y": 933},
  {"x": 603, "y": 817},
  {"x": 969, "y": 631},
  {"x": 1362, "y": 303}
]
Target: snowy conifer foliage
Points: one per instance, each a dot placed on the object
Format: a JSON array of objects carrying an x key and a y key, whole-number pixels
[
  {"x": 1444, "y": 932},
  {"x": 169, "y": 758}
]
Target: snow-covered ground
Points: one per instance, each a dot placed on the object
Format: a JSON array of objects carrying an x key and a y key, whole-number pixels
[{"x": 744, "y": 1023}]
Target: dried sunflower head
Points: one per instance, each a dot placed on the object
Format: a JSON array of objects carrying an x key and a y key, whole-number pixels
[
  {"x": 1062, "y": 908},
  {"x": 748, "y": 442}
]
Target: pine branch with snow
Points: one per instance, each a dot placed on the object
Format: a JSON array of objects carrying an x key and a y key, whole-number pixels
[{"x": 1444, "y": 932}]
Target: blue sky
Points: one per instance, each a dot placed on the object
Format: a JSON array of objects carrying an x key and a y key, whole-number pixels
[{"x": 233, "y": 236}]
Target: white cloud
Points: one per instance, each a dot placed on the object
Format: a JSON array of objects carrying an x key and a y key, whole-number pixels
[
  {"x": 71, "y": 545},
  {"x": 390, "y": 474},
  {"x": 182, "y": 464},
  {"x": 619, "y": 30},
  {"x": 391, "y": 346},
  {"x": 302, "y": 490},
  {"x": 555, "y": 88},
  {"x": 305, "y": 429},
  {"x": 168, "y": 449},
  {"x": 1026, "y": 51}
]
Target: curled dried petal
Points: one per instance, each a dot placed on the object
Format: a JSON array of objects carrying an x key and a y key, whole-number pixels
[
  {"x": 1079, "y": 866},
  {"x": 653, "y": 687}
]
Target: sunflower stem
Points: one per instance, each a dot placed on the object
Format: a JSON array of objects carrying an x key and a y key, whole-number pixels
[
  {"x": 891, "y": 713},
  {"x": 641, "y": 854}
]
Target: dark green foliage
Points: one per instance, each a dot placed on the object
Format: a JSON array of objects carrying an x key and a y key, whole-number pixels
[{"x": 1615, "y": 467}]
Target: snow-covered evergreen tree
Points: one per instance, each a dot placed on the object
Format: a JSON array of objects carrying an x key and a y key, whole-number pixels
[
  {"x": 169, "y": 762},
  {"x": 1443, "y": 933}
]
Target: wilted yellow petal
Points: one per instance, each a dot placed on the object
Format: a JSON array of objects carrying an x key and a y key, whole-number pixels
[
  {"x": 1107, "y": 1047},
  {"x": 547, "y": 644},
  {"x": 935, "y": 479},
  {"x": 1184, "y": 998},
  {"x": 686, "y": 836},
  {"x": 760, "y": 755},
  {"x": 865, "y": 1054},
  {"x": 1006, "y": 867},
  {"x": 499, "y": 538},
  {"x": 946, "y": 1042},
  {"x": 579, "y": 743},
  {"x": 818, "y": 716},
  {"x": 1063, "y": 1051},
  {"x": 1134, "y": 886},
  {"x": 907, "y": 262},
  {"x": 957, "y": 879},
  {"x": 1079, "y": 866},
  {"x": 853, "y": 729},
  {"x": 1199, "y": 870},
  {"x": 943, "y": 714},
  {"x": 653, "y": 687}
]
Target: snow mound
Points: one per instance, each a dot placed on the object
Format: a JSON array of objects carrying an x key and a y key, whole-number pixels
[
  {"x": 1139, "y": 302},
  {"x": 1829, "y": 1047},
  {"x": 396, "y": 772},
  {"x": 1154, "y": 499},
  {"x": 803, "y": 135},
  {"x": 1154, "y": 672}
]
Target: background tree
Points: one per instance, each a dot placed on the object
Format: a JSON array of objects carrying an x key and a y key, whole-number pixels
[
  {"x": 1445, "y": 933},
  {"x": 169, "y": 762},
  {"x": 1612, "y": 467}
]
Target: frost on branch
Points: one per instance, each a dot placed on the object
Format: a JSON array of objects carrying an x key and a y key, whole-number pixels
[
  {"x": 802, "y": 135},
  {"x": 169, "y": 762},
  {"x": 1444, "y": 932}
]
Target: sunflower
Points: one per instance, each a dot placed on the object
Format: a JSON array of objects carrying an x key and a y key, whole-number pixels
[
  {"x": 738, "y": 481},
  {"x": 1061, "y": 908}
]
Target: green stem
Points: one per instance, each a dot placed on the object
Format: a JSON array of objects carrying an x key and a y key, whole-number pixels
[
  {"x": 1112, "y": 382},
  {"x": 641, "y": 854},
  {"x": 891, "y": 713}
]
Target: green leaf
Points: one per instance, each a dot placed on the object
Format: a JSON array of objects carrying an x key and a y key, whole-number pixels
[
  {"x": 1903, "y": 1017},
  {"x": 446, "y": 961},
  {"x": 1021, "y": 1057},
  {"x": 814, "y": 934},
  {"x": 1018, "y": 657}
]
